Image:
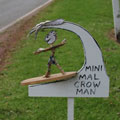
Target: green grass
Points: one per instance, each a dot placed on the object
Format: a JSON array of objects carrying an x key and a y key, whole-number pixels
[{"x": 94, "y": 15}]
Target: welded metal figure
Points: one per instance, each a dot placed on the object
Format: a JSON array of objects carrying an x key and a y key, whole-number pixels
[{"x": 50, "y": 39}]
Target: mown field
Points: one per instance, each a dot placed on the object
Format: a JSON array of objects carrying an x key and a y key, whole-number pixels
[{"x": 95, "y": 16}]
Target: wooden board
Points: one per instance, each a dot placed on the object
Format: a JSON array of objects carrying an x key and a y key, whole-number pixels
[{"x": 52, "y": 78}]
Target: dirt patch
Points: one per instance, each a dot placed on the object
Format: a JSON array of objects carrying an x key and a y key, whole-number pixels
[
  {"x": 111, "y": 35},
  {"x": 10, "y": 38}
]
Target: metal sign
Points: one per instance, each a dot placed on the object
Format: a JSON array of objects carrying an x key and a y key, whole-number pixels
[{"x": 91, "y": 80}]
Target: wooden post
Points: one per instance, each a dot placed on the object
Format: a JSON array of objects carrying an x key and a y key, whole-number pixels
[
  {"x": 116, "y": 14},
  {"x": 70, "y": 108}
]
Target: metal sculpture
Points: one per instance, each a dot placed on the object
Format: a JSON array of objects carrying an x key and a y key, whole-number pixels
[{"x": 90, "y": 81}]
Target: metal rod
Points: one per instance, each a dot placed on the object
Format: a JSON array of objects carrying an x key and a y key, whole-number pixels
[{"x": 70, "y": 108}]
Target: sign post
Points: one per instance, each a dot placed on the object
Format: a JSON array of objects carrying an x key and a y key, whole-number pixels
[
  {"x": 89, "y": 81},
  {"x": 116, "y": 14},
  {"x": 70, "y": 108}
]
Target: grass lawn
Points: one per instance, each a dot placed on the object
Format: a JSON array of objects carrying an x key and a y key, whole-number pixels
[{"x": 95, "y": 16}]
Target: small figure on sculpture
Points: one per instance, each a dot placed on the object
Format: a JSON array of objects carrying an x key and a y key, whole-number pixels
[{"x": 50, "y": 39}]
